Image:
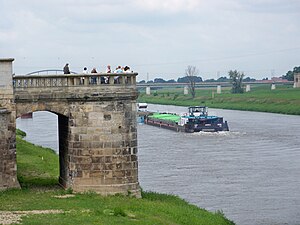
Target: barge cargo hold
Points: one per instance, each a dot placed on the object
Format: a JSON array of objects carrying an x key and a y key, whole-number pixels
[{"x": 195, "y": 120}]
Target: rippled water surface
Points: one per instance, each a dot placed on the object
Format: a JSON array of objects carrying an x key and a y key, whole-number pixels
[{"x": 252, "y": 173}]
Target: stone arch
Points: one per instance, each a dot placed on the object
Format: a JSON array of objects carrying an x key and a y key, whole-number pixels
[{"x": 58, "y": 108}]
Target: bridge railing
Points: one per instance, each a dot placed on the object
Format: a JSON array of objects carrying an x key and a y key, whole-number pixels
[{"x": 71, "y": 80}]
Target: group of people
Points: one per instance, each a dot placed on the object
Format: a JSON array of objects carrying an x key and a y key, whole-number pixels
[
  {"x": 104, "y": 79},
  {"x": 119, "y": 69}
]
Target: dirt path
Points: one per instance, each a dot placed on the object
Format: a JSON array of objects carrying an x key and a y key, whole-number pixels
[{"x": 14, "y": 217}]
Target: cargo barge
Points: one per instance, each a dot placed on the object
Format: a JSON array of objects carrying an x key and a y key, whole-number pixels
[{"x": 196, "y": 120}]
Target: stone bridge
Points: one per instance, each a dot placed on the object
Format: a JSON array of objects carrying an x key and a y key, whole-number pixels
[{"x": 96, "y": 126}]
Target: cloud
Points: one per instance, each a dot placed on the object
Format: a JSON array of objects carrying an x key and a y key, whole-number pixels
[
  {"x": 172, "y": 6},
  {"x": 155, "y": 36},
  {"x": 270, "y": 6}
]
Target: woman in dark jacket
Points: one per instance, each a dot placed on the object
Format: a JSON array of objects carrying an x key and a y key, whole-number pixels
[{"x": 66, "y": 69}]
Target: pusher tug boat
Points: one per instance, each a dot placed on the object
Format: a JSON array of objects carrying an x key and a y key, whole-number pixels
[{"x": 196, "y": 120}]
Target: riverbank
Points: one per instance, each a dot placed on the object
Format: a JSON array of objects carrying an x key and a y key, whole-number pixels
[
  {"x": 42, "y": 201},
  {"x": 284, "y": 99}
]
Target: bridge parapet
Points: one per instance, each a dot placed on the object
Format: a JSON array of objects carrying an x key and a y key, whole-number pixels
[{"x": 71, "y": 80}]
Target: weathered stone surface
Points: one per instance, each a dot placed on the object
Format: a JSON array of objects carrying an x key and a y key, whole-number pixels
[
  {"x": 97, "y": 134},
  {"x": 8, "y": 167},
  {"x": 100, "y": 148},
  {"x": 97, "y": 129}
]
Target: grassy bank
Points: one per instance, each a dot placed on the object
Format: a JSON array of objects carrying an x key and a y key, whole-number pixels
[
  {"x": 41, "y": 201},
  {"x": 284, "y": 99},
  {"x": 36, "y": 166}
]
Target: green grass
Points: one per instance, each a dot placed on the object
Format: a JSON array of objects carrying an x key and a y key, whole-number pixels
[
  {"x": 90, "y": 208},
  {"x": 36, "y": 167},
  {"x": 39, "y": 181},
  {"x": 283, "y": 99}
]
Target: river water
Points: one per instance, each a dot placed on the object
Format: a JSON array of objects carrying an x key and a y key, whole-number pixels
[{"x": 251, "y": 173}]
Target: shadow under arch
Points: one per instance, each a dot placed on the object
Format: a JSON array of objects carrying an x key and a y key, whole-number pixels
[
  {"x": 63, "y": 149},
  {"x": 62, "y": 138}
]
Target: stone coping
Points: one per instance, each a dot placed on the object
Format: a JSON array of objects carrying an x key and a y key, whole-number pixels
[
  {"x": 74, "y": 75},
  {"x": 6, "y": 59}
]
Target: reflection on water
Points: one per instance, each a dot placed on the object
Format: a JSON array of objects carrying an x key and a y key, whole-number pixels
[{"x": 251, "y": 173}]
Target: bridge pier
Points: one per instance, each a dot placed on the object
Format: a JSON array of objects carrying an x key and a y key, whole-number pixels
[
  {"x": 296, "y": 80},
  {"x": 8, "y": 164},
  {"x": 186, "y": 90},
  {"x": 273, "y": 87},
  {"x": 100, "y": 153},
  {"x": 97, "y": 129},
  {"x": 219, "y": 89},
  {"x": 148, "y": 90},
  {"x": 248, "y": 88}
]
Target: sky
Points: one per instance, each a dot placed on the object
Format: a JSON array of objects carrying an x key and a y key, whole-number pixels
[{"x": 156, "y": 38}]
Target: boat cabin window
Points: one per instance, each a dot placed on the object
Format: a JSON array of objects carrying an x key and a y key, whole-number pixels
[
  {"x": 142, "y": 106},
  {"x": 198, "y": 111}
]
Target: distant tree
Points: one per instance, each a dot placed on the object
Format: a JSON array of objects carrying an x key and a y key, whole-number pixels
[
  {"x": 187, "y": 80},
  {"x": 159, "y": 80},
  {"x": 171, "y": 81},
  {"x": 248, "y": 79},
  {"x": 182, "y": 80},
  {"x": 150, "y": 81},
  {"x": 290, "y": 74},
  {"x": 142, "y": 82},
  {"x": 236, "y": 81},
  {"x": 191, "y": 73},
  {"x": 210, "y": 80},
  {"x": 223, "y": 79},
  {"x": 198, "y": 79},
  {"x": 296, "y": 69}
]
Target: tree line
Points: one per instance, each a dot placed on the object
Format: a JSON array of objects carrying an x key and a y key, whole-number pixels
[
  {"x": 236, "y": 79},
  {"x": 290, "y": 74},
  {"x": 185, "y": 79}
]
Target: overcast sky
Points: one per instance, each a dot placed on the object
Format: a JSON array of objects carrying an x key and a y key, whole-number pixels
[{"x": 158, "y": 37}]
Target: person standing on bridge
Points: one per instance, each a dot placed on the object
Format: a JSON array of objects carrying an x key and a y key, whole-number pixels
[
  {"x": 127, "y": 69},
  {"x": 85, "y": 71},
  {"x": 108, "y": 69},
  {"x": 66, "y": 69},
  {"x": 106, "y": 78},
  {"x": 94, "y": 79},
  {"x": 117, "y": 78}
]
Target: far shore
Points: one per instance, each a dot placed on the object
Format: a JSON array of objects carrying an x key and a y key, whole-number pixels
[{"x": 284, "y": 99}]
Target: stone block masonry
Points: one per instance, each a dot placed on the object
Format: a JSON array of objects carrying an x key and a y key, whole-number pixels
[
  {"x": 8, "y": 165},
  {"x": 8, "y": 168},
  {"x": 97, "y": 135},
  {"x": 102, "y": 148},
  {"x": 97, "y": 129}
]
